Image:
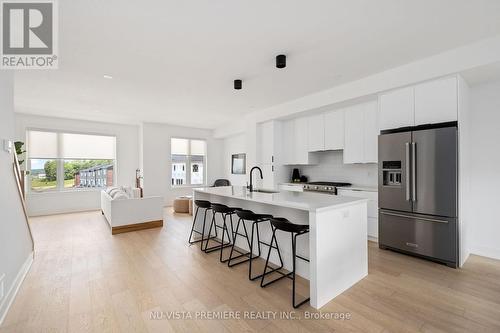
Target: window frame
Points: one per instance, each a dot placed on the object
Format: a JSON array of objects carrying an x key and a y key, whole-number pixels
[
  {"x": 188, "y": 163},
  {"x": 60, "y": 162}
]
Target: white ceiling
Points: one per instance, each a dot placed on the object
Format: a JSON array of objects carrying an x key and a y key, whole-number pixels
[{"x": 175, "y": 61}]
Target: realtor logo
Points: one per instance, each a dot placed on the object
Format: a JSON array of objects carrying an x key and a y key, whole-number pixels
[{"x": 29, "y": 35}]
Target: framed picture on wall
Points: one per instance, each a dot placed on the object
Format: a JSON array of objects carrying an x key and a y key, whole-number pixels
[{"x": 238, "y": 164}]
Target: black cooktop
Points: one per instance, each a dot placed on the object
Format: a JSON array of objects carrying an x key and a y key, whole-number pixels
[{"x": 338, "y": 184}]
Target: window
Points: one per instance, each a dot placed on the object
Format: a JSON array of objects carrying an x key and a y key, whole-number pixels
[
  {"x": 64, "y": 161},
  {"x": 188, "y": 161}
]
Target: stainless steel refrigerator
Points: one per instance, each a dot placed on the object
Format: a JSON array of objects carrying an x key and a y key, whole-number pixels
[{"x": 418, "y": 192}]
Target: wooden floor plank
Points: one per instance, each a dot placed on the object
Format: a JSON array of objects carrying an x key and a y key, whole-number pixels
[{"x": 85, "y": 280}]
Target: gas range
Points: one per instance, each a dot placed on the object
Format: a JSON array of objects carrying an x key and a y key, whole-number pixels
[{"x": 325, "y": 187}]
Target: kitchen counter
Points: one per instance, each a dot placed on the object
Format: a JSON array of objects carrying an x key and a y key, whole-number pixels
[
  {"x": 310, "y": 201},
  {"x": 336, "y": 243}
]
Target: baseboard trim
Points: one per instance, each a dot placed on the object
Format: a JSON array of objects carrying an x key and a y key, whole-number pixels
[
  {"x": 373, "y": 239},
  {"x": 487, "y": 252},
  {"x": 14, "y": 288},
  {"x": 137, "y": 226}
]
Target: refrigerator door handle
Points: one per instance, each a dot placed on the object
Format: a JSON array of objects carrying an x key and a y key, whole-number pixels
[
  {"x": 407, "y": 171},
  {"x": 414, "y": 171},
  {"x": 414, "y": 217}
]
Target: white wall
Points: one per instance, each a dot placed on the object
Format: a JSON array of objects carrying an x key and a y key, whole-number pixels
[
  {"x": 15, "y": 242},
  {"x": 127, "y": 161},
  {"x": 464, "y": 167},
  {"x": 484, "y": 198},
  {"x": 332, "y": 168},
  {"x": 234, "y": 145},
  {"x": 157, "y": 162},
  {"x": 329, "y": 168},
  {"x": 463, "y": 58}
]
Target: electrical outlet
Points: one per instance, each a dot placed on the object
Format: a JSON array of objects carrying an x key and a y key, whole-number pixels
[
  {"x": 2, "y": 290},
  {"x": 7, "y": 146}
]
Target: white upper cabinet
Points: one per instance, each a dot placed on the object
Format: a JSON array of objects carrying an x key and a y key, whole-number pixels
[
  {"x": 436, "y": 101},
  {"x": 301, "y": 142},
  {"x": 426, "y": 103},
  {"x": 334, "y": 130},
  {"x": 287, "y": 141},
  {"x": 354, "y": 136},
  {"x": 267, "y": 150},
  {"x": 316, "y": 132},
  {"x": 266, "y": 145},
  {"x": 371, "y": 130},
  {"x": 295, "y": 142},
  {"x": 361, "y": 133},
  {"x": 397, "y": 108}
]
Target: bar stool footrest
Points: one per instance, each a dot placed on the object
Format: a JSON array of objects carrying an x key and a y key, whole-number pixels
[
  {"x": 216, "y": 247},
  {"x": 201, "y": 240},
  {"x": 229, "y": 264},
  {"x": 276, "y": 270}
]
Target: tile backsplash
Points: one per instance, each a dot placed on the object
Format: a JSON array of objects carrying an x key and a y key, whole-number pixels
[{"x": 332, "y": 168}]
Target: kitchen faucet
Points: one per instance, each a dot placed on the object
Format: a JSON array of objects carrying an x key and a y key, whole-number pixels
[{"x": 250, "y": 187}]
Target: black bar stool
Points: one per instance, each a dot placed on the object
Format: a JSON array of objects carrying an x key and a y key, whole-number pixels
[
  {"x": 207, "y": 206},
  {"x": 280, "y": 223},
  {"x": 224, "y": 211},
  {"x": 255, "y": 219}
]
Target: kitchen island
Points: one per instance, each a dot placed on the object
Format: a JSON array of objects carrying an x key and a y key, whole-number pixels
[{"x": 337, "y": 242}]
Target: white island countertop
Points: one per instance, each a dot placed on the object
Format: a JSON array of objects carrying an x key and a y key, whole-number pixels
[{"x": 308, "y": 201}]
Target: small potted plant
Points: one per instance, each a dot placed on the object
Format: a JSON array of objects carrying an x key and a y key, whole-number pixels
[{"x": 18, "y": 145}]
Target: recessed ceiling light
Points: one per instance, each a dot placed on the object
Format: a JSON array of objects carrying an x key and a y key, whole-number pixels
[{"x": 106, "y": 76}]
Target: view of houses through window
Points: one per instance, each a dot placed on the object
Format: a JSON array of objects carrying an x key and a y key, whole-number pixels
[
  {"x": 62, "y": 161},
  {"x": 77, "y": 173},
  {"x": 188, "y": 161}
]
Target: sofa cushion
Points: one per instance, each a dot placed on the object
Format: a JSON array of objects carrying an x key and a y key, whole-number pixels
[
  {"x": 109, "y": 189},
  {"x": 119, "y": 194}
]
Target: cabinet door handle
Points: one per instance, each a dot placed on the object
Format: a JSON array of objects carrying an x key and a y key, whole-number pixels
[
  {"x": 414, "y": 171},
  {"x": 414, "y": 217},
  {"x": 407, "y": 171},
  {"x": 411, "y": 244}
]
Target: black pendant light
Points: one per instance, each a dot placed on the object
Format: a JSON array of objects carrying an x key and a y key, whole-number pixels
[
  {"x": 281, "y": 61},
  {"x": 237, "y": 84}
]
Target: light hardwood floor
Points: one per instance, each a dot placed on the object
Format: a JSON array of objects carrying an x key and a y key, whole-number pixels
[{"x": 84, "y": 279}]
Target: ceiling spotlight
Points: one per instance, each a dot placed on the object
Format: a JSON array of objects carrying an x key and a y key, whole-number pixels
[
  {"x": 106, "y": 76},
  {"x": 237, "y": 84},
  {"x": 281, "y": 61}
]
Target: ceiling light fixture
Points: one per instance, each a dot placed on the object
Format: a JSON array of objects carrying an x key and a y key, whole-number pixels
[
  {"x": 281, "y": 61},
  {"x": 237, "y": 84},
  {"x": 106, "y": 76}
]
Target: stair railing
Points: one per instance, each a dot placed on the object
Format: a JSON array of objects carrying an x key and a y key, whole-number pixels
[{"x": 19, "y": 177}]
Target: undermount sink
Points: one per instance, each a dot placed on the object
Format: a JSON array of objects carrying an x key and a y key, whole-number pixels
[{"x": 265, "y": 191}]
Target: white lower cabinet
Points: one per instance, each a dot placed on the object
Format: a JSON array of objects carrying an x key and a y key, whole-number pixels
[
  {"x": 292, "y": 187},
  {"x": 373, "y": 228},
  {"x": 372, "y": 208}
]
